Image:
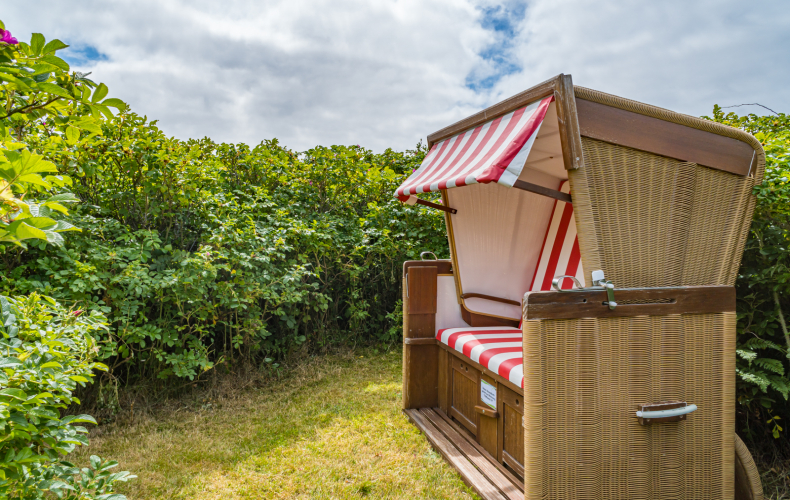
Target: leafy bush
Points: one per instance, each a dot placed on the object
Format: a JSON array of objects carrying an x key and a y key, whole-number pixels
[
  {"x": 46, "y": 350},
  {"x": 763, "y": 285},
  {"x": 249, "y": 253}
]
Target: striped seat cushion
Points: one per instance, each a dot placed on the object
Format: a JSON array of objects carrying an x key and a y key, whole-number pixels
[
  {"x": 497, "y": 348},
  {"x": 560, "y": 253}
]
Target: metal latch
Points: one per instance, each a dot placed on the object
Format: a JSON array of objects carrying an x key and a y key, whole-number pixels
[{"x": 598, "y": 282}]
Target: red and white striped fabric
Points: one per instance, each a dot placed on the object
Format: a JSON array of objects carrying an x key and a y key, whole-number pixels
[
  {"x": 493, "y": 152},
  {"x": 560, "y": 253},
  {"x": 498, "y": 348}
]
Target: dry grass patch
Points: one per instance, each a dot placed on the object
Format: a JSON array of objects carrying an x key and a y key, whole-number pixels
[{"x": 332, "y": 428}]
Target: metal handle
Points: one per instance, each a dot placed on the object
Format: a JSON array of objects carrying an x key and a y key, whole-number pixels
[
  {"x": 422, "y": 255},
  {"x": 675, "y": 412},
  {"x": 557, "y": 282}
]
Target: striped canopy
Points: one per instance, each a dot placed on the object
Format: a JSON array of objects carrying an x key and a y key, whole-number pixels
[{"x": 492, "y": 152}]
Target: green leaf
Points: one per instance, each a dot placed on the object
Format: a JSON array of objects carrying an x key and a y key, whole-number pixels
[
  {"x": 56, "y": 206},
  {"x": 52, "y": 364},
  {"x": 64, "y": 226},
  {"x": 37, "y": 43},
  {"x": 14, "y": 393},
  {"x": 40, "y": 222},
  {"x": 9, "y": 362},
  {"x": 57, "y": 240},
  {"x": 34, "y": 179},
  {"x": 53, "y": 45},
  {"x": 63, "y": 197},
  {"x": 79, "y": 378},
  {"x": 51, "y": 88},
  {"x": 87, "y": 123},
  {"x": 111, "y": 496},
  {"x": 56, "y": 61},
  {"x": 100, "y": 93},
  {"x": 115, "y": 103},
  {"x": 16, "y": 81},
  {"x": 72, "y": 135},
  {"x": 24, "y": 232},
  {"x": 82, "y": 418}
]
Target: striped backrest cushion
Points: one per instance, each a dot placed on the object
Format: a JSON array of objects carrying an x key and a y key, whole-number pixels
[{"x": 560, "y": 253}]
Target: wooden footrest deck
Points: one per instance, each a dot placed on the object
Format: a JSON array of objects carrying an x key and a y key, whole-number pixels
[{"x": 477, "y": 468}]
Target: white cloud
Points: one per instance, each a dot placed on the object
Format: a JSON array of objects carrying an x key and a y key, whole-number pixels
[
  {"x": 385, "y": 73},
  {"x": 681, "y": 55}
]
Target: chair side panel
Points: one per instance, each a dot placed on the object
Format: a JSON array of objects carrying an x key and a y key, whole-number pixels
[{"x": 583, "y": 380}]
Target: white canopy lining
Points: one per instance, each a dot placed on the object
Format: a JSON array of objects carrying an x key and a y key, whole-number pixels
[{"x": 493, "y": 152}]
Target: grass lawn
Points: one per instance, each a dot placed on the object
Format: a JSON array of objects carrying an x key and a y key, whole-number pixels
[{"x": 331, "y": 428}]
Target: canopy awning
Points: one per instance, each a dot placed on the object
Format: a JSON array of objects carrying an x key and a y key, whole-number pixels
[{"x": 492, "y": 152}]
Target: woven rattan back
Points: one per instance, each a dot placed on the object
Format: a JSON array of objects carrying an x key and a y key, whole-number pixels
[
  {"x": 583, "y": 380},
  {"x": 649, "y": 220}
]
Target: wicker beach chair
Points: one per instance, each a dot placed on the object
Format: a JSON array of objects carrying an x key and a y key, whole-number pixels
[{"x": 580, "y": 342}]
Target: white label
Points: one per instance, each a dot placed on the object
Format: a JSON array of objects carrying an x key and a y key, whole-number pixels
[{"x": 488, "y": 394}]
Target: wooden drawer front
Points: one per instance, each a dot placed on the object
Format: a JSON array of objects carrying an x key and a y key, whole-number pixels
[
  {"x": 512, "y": 429},
  {"x": 465, "y": 393}
]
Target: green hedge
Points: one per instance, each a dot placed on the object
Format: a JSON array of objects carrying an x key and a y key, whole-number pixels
[{"x": 202, "y": 253}]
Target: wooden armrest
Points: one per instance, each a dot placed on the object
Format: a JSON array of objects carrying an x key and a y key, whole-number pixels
[{"x": 489, "y": 297}]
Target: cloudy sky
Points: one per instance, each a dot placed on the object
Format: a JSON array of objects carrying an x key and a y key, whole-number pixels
[{"x": 386, "y": 73}]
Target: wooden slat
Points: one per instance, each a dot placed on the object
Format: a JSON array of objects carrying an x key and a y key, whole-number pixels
[
  {"x": 501, "y": 468},
  {"x": 488, "y": 412},
  {"x": 419, "y": 341},
  {"x": 436, "y": 206},
  {"x": 422, "y": 289},
  {"x": 568, "y": 122},
  {"x": 589, "y": 304},
  {"x": 444, "y": 266},
  {"x": 421, "y": 326},
  {"x": 470, "y": 475},
  {"x": 489, "y": 297},
  {"x": 534, "y": 188},
  {"x": 539, "y": 91},
  {"x": 444, "y": 373},
  {"x": 646, "y": 133},
  {"x": 474, "y": 456},
  {"x": 421, "y": 376},
  {"x": 512, "y": 462},
  {"x": 475, "y": 319}
]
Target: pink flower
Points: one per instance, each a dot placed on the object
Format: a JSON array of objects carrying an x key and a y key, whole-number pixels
[
  {"x": 77, "y": 312},
  {"x": 5, "y": 37}
]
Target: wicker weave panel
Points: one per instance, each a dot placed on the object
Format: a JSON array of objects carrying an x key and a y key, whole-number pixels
[
  {"x": 583, "y": 380},
  {"x": 648, "y": 220}
]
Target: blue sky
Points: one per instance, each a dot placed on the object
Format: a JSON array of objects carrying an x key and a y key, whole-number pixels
[
  {"x": 82, "y": 55},
  {"x": 386, "y": 73}
]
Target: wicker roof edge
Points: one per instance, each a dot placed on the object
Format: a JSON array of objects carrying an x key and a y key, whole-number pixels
[{"x": 679, "y": 118}]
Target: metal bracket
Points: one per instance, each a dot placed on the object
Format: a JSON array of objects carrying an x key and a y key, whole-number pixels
[{"x": 598, "y": 283}]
